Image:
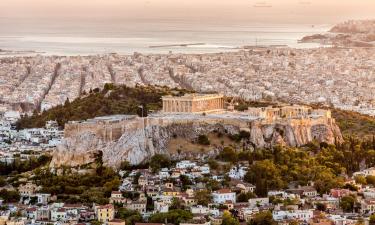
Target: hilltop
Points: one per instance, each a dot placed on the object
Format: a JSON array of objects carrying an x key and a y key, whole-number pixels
[
  {"x": 353, "y": 33},
  {"x": 108, "y": 101},
  {"x": 120, "y": 99}
]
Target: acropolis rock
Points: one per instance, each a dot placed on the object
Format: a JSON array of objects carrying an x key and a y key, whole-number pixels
[{"x": 136, "y": 139}]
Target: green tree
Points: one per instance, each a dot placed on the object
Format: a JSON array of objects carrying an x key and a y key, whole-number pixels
[
  {"x": 265, "y": 175},
  {"x": 325, "y": 180},
  {"x": 95, "y": 222},
  {"x": 347, "y": 203},
  {"x": 213, "y": 164},
  {"x": 228, "y": 154},
  {"x": 130, "y": 216},
  {"x": 360, "y": 180},
  {"x": 372, "y": 219},
  {"x": 176, "y": 204},
  {"x": 321, "y": 207},
  {"x": 159, "y": 161},
  {"x": 244, "y": 197},
  {"x": 175, "y": 216},
  {"x": 9, "y": 196},
  {"x": 213, "y": 185},
  {"x": 370, "y": 180},
  {"x": 185, "y": 181},
  {"x": 125, "y": 165},
  {"x": 351, "y": 187},
  {"x": 262, "y": 218},
  {"x": 203, "y": 197},
  {"x": 203, "y": 140},
  {"x": 228, "y": 219},
  {"x": 2, "y": 182},
  {"x": 111, "y": 186}
]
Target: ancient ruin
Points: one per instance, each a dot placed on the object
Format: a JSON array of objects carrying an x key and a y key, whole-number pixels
[{"x": 193, "y": 103}]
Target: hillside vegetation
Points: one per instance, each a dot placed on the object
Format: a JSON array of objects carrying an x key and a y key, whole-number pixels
[
  {"x": 109, "y": 101},
  {"x": 354, "y": 124}
]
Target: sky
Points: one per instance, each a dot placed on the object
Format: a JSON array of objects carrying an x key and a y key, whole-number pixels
[{"x": 301, "y": 11}]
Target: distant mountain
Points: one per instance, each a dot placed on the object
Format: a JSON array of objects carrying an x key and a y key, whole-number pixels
[
  {"x": 353, "y": 33},
  {"x": 355, "y": 27}
]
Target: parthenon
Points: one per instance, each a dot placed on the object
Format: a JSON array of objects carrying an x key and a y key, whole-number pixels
[{"x": 193, "y": 103}]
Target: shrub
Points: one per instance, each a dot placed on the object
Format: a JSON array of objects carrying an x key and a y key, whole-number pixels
[{"x": 203, "y": 140}]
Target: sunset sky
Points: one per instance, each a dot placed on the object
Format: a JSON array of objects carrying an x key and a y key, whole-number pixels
[{"x": 282, "y": 10}]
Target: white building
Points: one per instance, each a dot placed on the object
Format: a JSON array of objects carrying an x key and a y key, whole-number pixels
[
  {"x": 205, "y": 169},
  {"x": 223, "y": 195},
  {"x": 368, "y": 206},
  {"x": 365, "y": 172},
  {"x": 43, "y": 198},
  {"x": 164, "y": 173},
  {"x": 302, "y": 215},
  {"x": 199, "y": 209},
  {"x": 237, "y": 172},
  {"x": 185, "y": 164},
  {"x": 369, "y": 193},
  {"x": 161, "y": 206},
  {"x": 58, "y": 214}
]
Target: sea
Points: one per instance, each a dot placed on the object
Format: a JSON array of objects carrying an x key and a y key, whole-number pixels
[{"x": 25, "y": 37}]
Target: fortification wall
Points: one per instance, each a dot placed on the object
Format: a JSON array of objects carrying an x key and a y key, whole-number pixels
[{"x": 113, "y": 131}]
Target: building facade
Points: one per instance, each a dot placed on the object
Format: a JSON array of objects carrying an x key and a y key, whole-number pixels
[
  {"x": 193, "y": 103},
  {"x": 223, "y": 195},
  {"x": 105, "y": 213}
]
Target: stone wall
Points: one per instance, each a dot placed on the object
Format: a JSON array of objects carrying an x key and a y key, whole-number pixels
[{"x": 138, "y": 139}]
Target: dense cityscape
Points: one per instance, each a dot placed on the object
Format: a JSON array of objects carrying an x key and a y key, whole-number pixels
[
  {"x": 255, "y": 135},
  {"x": 339, "y": 77}
]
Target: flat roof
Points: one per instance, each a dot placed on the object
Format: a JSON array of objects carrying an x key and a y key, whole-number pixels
[{"x": 193, "y": 96}]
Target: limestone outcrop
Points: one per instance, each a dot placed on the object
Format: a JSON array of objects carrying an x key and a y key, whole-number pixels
[{"x": 143, "y": 137}]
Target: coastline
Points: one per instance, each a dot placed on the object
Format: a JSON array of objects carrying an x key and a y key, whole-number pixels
[{"x": 174, "y": 37}]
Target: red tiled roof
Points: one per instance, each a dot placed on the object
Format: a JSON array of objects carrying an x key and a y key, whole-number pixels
[
  {"x": 223, "y": 191},
  {"x": 73, "y": 205},
  {"x": 61, "y": 210},
  {"x": 108, "y": 206}
]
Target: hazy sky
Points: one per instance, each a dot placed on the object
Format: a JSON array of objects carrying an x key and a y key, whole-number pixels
[{"x": 231, "y": 10}]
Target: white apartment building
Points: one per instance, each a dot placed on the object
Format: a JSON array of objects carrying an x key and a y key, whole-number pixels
[
  {"x": 199, "y": 209},
  {"x": 302, "y": 215},
  {"x": 185, "y": 164},
  {"x": 223, "y": 195}
]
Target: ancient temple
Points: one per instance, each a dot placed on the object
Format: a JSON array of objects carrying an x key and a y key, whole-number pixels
[{"x": 193, "y": 103}]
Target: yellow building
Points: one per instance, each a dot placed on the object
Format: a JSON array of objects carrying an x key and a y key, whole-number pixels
[
  {"x": 105, "y": 213},
  {"x": 171, "y": 192}
]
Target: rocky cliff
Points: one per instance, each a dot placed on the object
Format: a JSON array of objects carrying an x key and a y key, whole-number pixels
[{"x": 142, "y": 138}]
